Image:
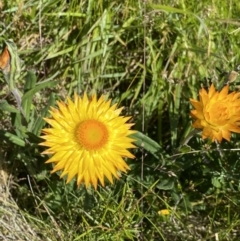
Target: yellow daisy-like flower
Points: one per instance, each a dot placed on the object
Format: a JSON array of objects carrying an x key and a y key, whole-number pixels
[
  {"x": 88, "y": 139},
  {"x": 164, "y": 212},
  {"x": 217, "y": 113}
]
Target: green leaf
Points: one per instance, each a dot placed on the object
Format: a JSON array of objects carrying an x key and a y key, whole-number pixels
[
  {"x": 18, "y": 123},
  {"x": 149, "y": 145},
  {"x": 216, "y": 183},
  {"x": 4, "y": 135},
  {"x": 6, "y": 107},
  {"x": 47, "y": 83},
  {"x": 166, "y": 184},
  {"x": 32, "y": 138},
  {"x": 39, "y": 123},
  {"x": 30, "y": 84},
  {"x": 31, "y": 80},
  {"x": 184, "y": 149}
]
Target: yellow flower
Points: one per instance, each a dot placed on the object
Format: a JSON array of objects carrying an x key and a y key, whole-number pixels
[
  {"x": 88, "y": 139},
  {"x": 217, "y": 113},
  {"x": 164, "y": 212}
]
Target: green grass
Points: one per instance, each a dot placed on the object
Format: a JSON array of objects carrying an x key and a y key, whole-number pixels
[{"x": 151, "y": 57}]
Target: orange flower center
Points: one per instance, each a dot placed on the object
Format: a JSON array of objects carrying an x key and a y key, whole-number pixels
[
  {"x": 92, "y": 134},
  {"x": 218, "y": 114}
]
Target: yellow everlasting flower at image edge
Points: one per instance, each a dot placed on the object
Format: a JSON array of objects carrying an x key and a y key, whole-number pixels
[
  {"x": 217, "y": 113},
  {"x": 88, "y": 139}
]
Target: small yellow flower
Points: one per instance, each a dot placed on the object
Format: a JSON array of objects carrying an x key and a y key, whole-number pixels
[
  {"x": 88, "y": 139},
  {"x": 217, "y": 113},
  {"x": 164, "y": 212}
]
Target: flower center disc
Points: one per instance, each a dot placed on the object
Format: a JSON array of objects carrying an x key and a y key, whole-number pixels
[
  {"x": 92, "y": 134},
  {"x": 218, "y": 114}
]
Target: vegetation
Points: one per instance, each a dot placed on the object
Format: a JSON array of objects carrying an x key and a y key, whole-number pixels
[{"x": 151, "y": 57}]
